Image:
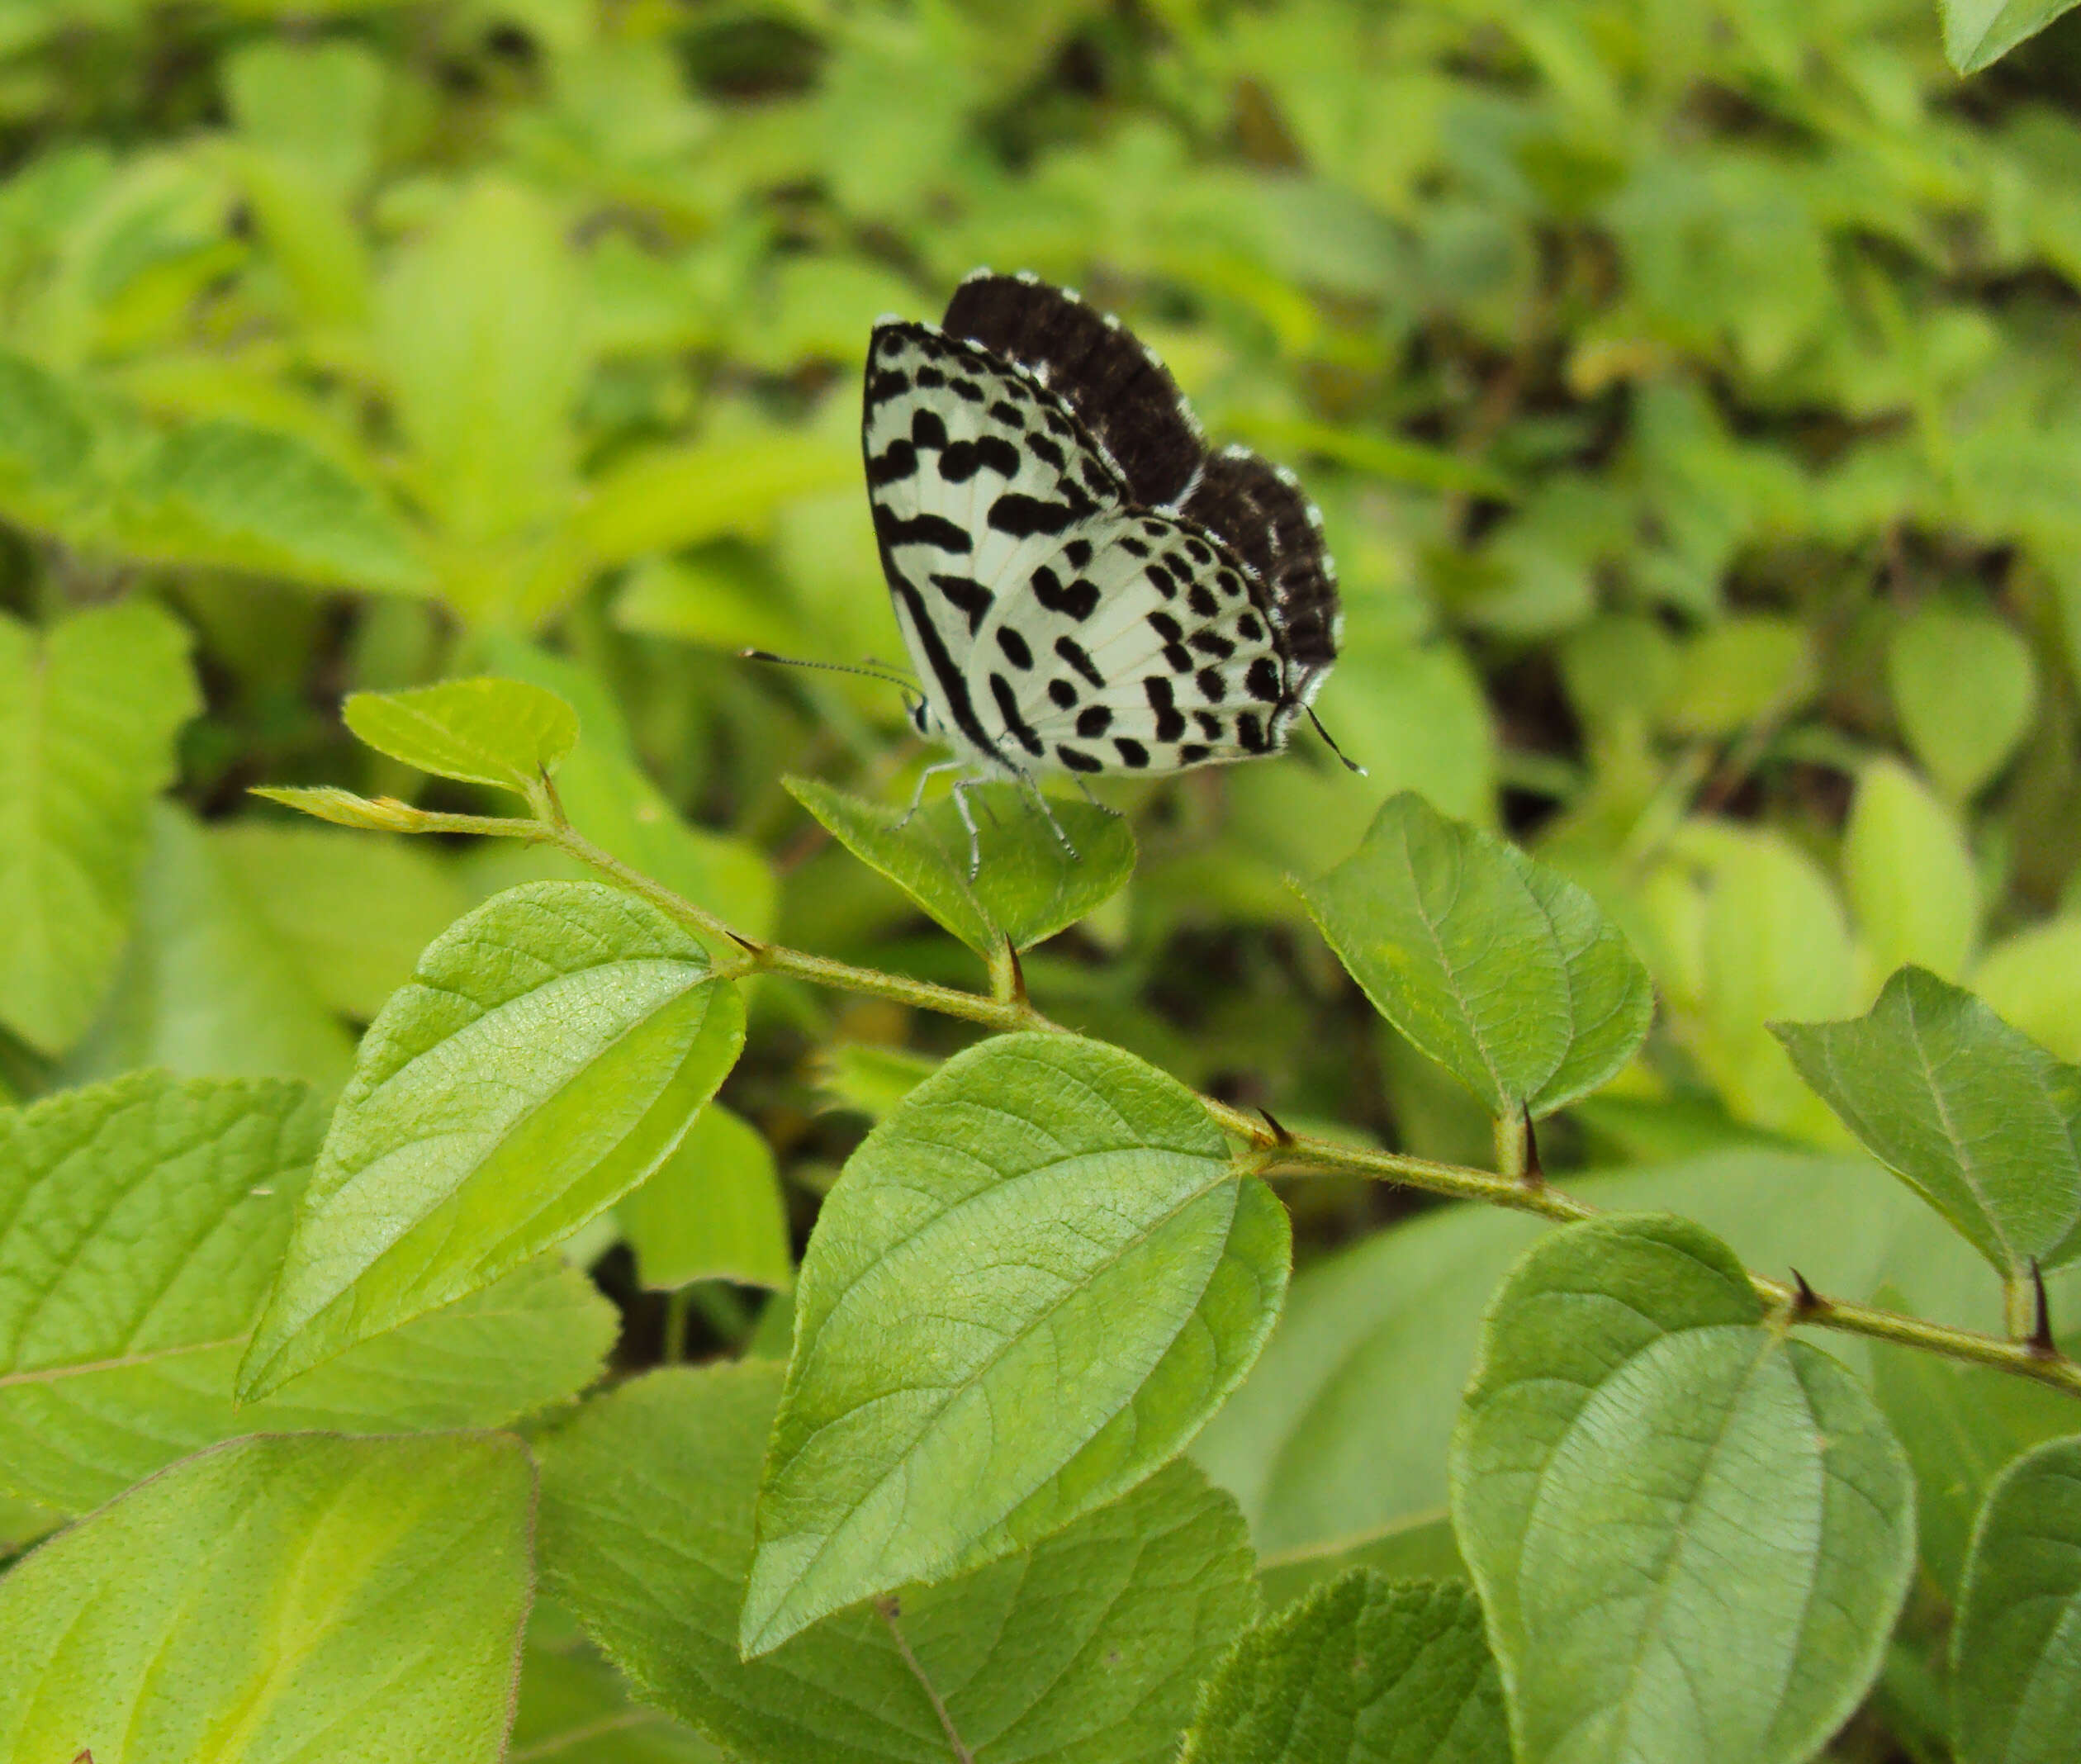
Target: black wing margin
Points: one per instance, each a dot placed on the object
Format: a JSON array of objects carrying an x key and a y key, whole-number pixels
[{"x": 1118, "y": 390}]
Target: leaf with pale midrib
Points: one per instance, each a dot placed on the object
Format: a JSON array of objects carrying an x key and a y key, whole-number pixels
[
  {"x": 1035, "y": 1280},
  {"x": 1087, "y": 1648}
]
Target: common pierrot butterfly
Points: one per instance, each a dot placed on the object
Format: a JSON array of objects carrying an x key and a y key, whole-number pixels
[{"x": 1082, "y": 584}]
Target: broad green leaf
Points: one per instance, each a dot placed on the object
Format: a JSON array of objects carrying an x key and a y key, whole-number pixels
[
  {"x": 1978, "y": 33},
  {"x": 1736, "y": 673},
  {"x": 553, "y": 1047},
  {"x": 478, "y": 330},
  {"x": 319, "y": 103},
  {"x": 353, "y": 912},
  {"x": 608, "y": 795},
  {"x": 274, "y": 1599},
  {"x": 48, "y": 438},
  {"x": 573, "y": 1710},
  {"x": 88, "y": 712},
  {"x": 227, "y": 494},
  {"x": 207, "y": 990},
  {"x": 1364, "y": 1671},
  {"x": 497, "y": 731},
  {"x": 1084, "y": 1648},
  {"x": 1026, "y": 887},
  {"x": 2032, "y": 980},
  {"x": 1960, "y": 1425},
  {"x": 1909, "y": 876},
  {"x": 1035, "y": 1280},
  {"x": 1983, "y": 1124},
  {"x": 1964, "y": 684},
  {"x": 2016, "y": 1651},
  {"x": 146, "y": 1218},
  {"x": 1691, "y": 1534},
  {"x": 712, "y": 1210},
  {"x": 661, "y": 500},
  {"x": 1500, "y": 969},
  {"x": 1339, "y": 1433},
  {"x": 1422, "y": 1547}
]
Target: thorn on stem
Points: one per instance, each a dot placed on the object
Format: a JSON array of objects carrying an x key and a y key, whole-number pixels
[
  {"x": 744, "y": 942},
  {"x": 2042, "y": 1342},
  {"x": 1805, "y": 1301},
  {"x": 1018, "y": 972},
  {"x": 1535, "y": 1173},
  {"x": 1280, "y": 1136}
]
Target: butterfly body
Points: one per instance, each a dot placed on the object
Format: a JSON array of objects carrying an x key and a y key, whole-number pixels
[{"x": 1081, "y": 585}]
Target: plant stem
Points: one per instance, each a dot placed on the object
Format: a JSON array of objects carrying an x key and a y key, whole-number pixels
[{"x": 1301, "y": 1153}]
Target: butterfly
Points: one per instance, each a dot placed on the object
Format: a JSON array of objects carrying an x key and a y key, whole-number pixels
[{"x": 1082, "y": 584}]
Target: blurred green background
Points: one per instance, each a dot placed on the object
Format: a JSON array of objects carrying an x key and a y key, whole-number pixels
[{"x": 1693, "y": 393}]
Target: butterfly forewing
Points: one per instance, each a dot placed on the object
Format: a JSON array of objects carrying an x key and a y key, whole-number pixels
[{"x": 1058, "y": 612}]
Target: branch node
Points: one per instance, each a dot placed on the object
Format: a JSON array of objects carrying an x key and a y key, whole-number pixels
[{"x": 2041, "y": 1344}]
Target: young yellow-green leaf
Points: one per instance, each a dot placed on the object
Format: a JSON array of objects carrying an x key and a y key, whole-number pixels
[
  {"x": 380, "y": 815},
  {"x": 1964, "y": 684},
  {"x": 280, "y": 1598},
  {"x": 1364, "y": 1671},
  {"x": 144, "y": 1219},
  {"x": 712, "y": 1210},
  {"x": 1026, "y": 888},
  {"x": 352, "y": 913},
  {"x": 207, "y": 990},
  {"x": 554, "y": 1046},
  {"x": 607, "y": 793},
  {"x": 1035, "y": 1280},
  {"x": 88, "y": 712},
  {"x": 1982, "y": 1123},
  {"x": 1086, "y": 1647},
  {"x": 47, "y": 447},
  {"x": 495, "y": 731},
  {"x": 225, "y": 495},
  {"x": 1978, "y": 33},
  {"x": 2015, "y": 1652},
  {"x": 1909, "y": 875},
  {"x": 1691, "y": 1535},
  {"x": 1500, "y": 969}
]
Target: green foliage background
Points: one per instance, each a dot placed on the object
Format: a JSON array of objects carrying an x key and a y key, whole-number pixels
[{"x": 1693, "y": 393}]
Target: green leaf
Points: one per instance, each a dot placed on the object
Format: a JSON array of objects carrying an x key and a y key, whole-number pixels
[
  {"x": 207, "y": 988},
  {"x": 1085, "y": 1648},
  {"x": 1422, "y": 1547},
  {"x": 1033, "y": 1282},
  {"x": 2032, "y": 980},
  {"x": 89, "y": 712},
  {"x": 573, "y": 1710},
  {"x": 1960, "y": 1426},
  {"x": 1909, "y": 875},
  {"x": 1983, "y": 1124},
  {"x": 381, "y": 814},
  {"x": 554, "y": 1046},
  {"x": 320, "y": 104},
  {"x": 48, "y": 438},
  {"x": 712, "y": 1210},
  {"x": 1636, "y": 1445},
  {"x": 280, "y": 1598},
  {"x": 1966, "y": 688},
  {"x": 605, "y": 791},
  {"x": 226, "y": 495},
  {"x": 1364, "y": 1671},
  {"x": 1340, "y": 1435},
  {"x": 670, "y": 497},
  {"x": 1978, "y": 33},
  {"x": 146, "y": 1218},
  {"x": 1738, "y": 672},
  {"x": 2015, "y": 1652},
  {"x": 353, "y": 912},
  {"x": 1500, "y": 969},
  {"x": 495, "y": 731},
  {"x": 1026, "y": 888}
]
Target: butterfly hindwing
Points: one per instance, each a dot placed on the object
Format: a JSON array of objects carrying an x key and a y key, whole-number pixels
[{"x": 1080, "y": 585}]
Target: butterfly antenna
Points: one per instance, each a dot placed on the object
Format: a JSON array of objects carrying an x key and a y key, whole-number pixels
[
  {"x": 1349, "y": 763},
  {"x": 887, "y": 675}
]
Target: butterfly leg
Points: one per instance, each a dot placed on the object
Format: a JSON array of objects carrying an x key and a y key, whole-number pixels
[
  {"x": 1048, "y": 815},
  {"x": 1083, "y": 783},
  {"x": 917, "y": 795},
  {"x": 962, "y": 786}
]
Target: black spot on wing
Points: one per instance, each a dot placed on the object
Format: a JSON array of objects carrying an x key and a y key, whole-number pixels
[
  {"x": 1078, "y": 600},
  {"x": 969, "y": 596},
  {"x": 928, "y": 431},
  {"x": 960, "y": 460},
  {"x": 935, "y": 530},
  {"x": 1022, "y": 516},
  {"x": 1261, "y": 681},
  {"x": 1015, "y": 646},
  {"x": 1093, "y": 721},
  {"x": 1072, "y": 651},
  {"x": 1191, "y": 753},
  {"x": 1170, "y": 720},
  {"x": 1007, "y": 704},
  {"x": 1077, "y": 759},
  {"x": 898, "y": 462},
  {"x": 1131, "y": 752},
  {"x": 1063, "y": 693}
]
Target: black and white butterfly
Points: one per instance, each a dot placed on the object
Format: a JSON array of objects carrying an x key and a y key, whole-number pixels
[{"x": 1082, "y": 585}]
